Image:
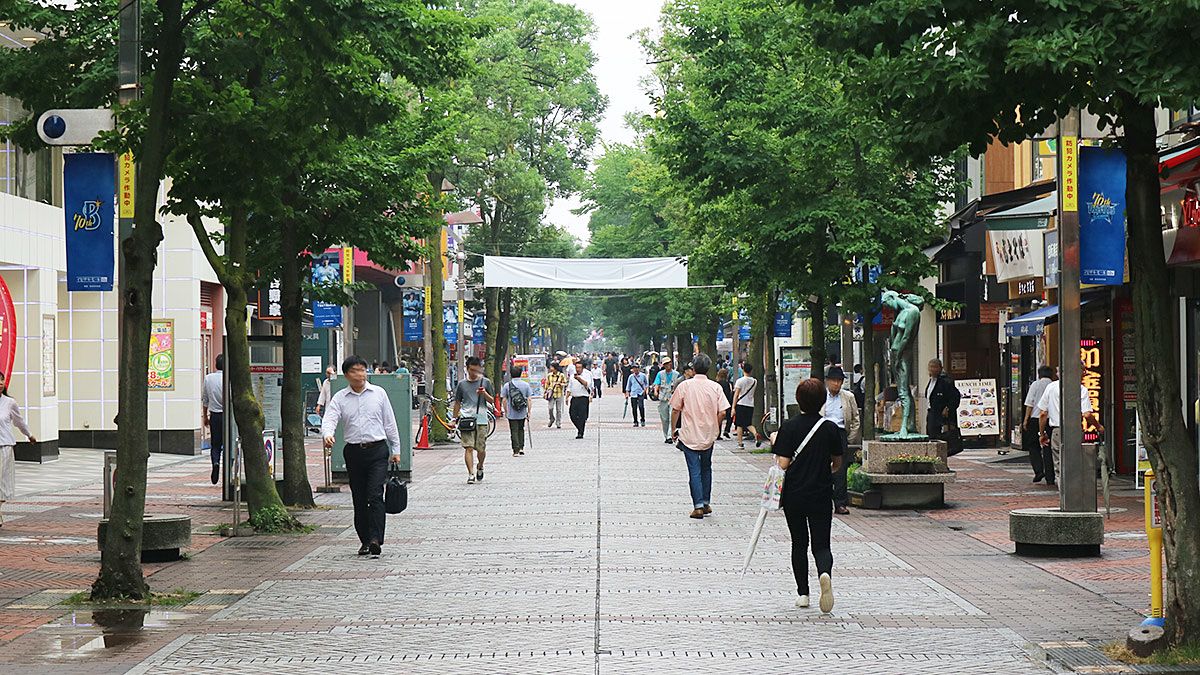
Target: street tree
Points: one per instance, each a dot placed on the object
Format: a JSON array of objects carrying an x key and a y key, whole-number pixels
[{"x": 966, "y": 72}]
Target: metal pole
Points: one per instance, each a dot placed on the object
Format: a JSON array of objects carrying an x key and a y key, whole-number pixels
[
  {"x": 129, "y": 60},
  {"x": 461, "y": 361},
  {"x": 1077, "y": 487}
]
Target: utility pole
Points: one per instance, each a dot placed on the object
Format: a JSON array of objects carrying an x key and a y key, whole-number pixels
[{"x": 461, "y": 259}]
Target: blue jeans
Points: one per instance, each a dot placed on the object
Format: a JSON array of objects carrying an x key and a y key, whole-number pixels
[{"x": 699, "y": 466}]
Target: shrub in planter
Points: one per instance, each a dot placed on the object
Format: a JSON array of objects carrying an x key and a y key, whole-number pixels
[{"x": 913, "y": 464}]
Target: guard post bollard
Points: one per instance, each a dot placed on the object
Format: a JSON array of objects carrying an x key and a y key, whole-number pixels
[{"x": 1154, "y": 536}]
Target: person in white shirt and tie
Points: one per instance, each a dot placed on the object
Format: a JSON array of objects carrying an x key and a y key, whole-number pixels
[
  {"x": 1050, "y": 420},
  {"x": 370, "y": 430}
]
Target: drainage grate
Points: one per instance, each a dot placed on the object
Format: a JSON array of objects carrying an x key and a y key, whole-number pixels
[{"x": 257, "y": 543}]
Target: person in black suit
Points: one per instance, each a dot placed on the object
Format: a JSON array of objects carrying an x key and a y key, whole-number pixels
[{"x": 943, "y": 399}]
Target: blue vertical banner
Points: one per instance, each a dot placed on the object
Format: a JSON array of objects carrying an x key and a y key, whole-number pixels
[
  {"x": 783, "y": 324},
  {"x": 413, "y": 306},
  {"x": 1101, "y": 216},
  {"x": 478, "y": 329},
  {"x": 326, "y": 271},
  {"x": 450, "y": 322},
  {"x": 744, "y": 328},
  {"x": 89, "y": 202},
  {"x": 720, "y": 333}
]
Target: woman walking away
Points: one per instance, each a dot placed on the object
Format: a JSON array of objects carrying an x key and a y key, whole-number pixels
[
  {"x": 10, "y": 413},
  {"x": 727, "y": 387},
  {"x": 809, "y": 449}
]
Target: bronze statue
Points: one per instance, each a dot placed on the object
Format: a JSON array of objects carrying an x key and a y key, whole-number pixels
[{"x": 900, "y": 346}]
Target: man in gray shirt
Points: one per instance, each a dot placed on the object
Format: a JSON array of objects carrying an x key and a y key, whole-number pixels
[
  {"x": 515, "y": 396},
  {"x": 212, "y": 405},
  {"x": 472, "y": 396}
]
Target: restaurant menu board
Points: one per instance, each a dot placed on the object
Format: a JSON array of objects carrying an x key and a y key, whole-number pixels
[{"x": 979, "y": 410}]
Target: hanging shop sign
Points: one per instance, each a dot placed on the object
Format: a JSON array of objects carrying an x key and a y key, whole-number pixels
[
  {"x": 783, "y": 324},
  {"x": 1017, "y": 254},
  {"x": 1102, "y": 216},
  {"x": 270, "y": 301},
  {"x": 162, "y": 355},
  {"x": 326, "y": 271},
  {"x": 413, "y": 309},
  {"x": 1091, "y": 352},
  {"x": 8, "y": 330},
  {"x": 89, "y": 192},
  {"x": 979, "y": 411},
  {"x": 1050, "y": 249}
]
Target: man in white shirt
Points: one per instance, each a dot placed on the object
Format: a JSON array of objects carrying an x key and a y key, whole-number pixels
[
  {"x": 326, "y": 387},
  {"x": 743, "y": 405},
  {"x": 370, "y": 430},
  {"x": 841, "y": 408},
  {"x": 1050, "y": 421},
  {"x": 212, "y": 408},
  {"x": 579, "y": 386},
  {"x": 1041, "y": 458}
]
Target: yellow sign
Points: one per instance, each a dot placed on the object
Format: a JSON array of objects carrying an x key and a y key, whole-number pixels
[
  {"x": 461, "y": 311},
  {"x": 427, "y": 306},
  {"x": 347, "y": 264},
  {"x": 127, "y": 173},
  {"x": 1070, "y": 173}
]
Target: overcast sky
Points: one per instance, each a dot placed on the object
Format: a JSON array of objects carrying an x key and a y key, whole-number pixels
[{"x": 620, "y": 68}]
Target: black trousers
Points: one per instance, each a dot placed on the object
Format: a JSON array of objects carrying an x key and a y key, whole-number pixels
[
  {"x": 579, "y": 412},
  {"x": 840, "y": 496},
  {"x": 516, "y": 433},
  {"x": 638, "y": 403},
  {"x": 729, "y": 419},
  {"x": 805, "y": 519},
  {"x": 1042, "y": 459},
  {"x": 216, "y": 427},
  {"x": 367, "y": 469},
  {"x": 598, "y": 386}
]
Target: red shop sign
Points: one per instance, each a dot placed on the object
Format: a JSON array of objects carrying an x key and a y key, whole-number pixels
[{"x": 8, "y": 330}]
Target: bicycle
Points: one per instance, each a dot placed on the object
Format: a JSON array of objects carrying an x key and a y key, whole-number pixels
[{"x": 429, "y": 411}]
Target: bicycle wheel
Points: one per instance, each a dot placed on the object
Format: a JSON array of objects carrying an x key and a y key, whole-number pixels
[{"x": 491, "y": 425}]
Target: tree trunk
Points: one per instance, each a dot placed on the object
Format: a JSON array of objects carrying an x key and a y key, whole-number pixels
[
  {"x": 491, "y": 301},
  {"x": 1172, "y": 452},
  {"x": 708, "y": 337},
  {"x": 869, "y": 382},
  {"x": 770, "y": 379},
  {"x": 754, "y": 355},
  {"x": 121, "y": 562},
  {"x": 816, "y": 309},
  {"x": 259, "y": 489},
  {"x": 437, "y": 336},
  {"x": 683, "y": 343},
  {"x": 296, "y": 489},
  {"x": 495, "y": 366}
]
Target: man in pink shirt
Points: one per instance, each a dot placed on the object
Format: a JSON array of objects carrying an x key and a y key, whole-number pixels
[{"x": 698, "y": 408}]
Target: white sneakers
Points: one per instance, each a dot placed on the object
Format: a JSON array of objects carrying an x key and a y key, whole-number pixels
[
  {"x": 802, "y": 601},
  {"x": 826, "y": 594}
]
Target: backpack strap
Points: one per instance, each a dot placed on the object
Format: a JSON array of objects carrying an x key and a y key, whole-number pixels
[{"x": 808, "y": 438}]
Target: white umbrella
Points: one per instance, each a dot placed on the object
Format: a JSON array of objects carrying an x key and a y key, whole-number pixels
[{"x": 758, "y": 526}]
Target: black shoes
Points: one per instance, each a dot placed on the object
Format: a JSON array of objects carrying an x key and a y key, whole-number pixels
[
  {"x": 1038, "y": 478},
  {"x": 375, "y": 549},
  {"x": 364, "y": 549},
  {"x": 216, "y": 473},
  {"x": 479, "y": 476}
]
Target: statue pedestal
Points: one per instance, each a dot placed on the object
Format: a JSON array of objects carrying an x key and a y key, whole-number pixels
[{"x": 906, "y": 491}]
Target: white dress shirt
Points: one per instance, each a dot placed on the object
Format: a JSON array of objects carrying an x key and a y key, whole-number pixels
[
  {"x": 10, "y": 413},
  {"x": 1051, "y": 404},
  {"x": 212, "y": 392},
  {"x": 833, "y": 410},
  {"x": 369, "y": 417},
  {"x": 1035, "y": 393},
  {"x": 577, "y": 389}
]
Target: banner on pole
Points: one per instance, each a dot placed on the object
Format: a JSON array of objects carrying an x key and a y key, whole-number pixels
[
  {"x": 1101, "y": 216},
  {"x": 450, "y": 322},
  {"x": 783, "y": 324},
  {"x": 478, "y": 329},
  {"x": 413, "y": 305},
  {"x": 89, "y": 195},
  {"x": 326, "y": 271},
  {"x": 744, "y": 327}
]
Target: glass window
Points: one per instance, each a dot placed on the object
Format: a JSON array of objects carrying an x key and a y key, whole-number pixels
[{"x": 24, "y": 174}]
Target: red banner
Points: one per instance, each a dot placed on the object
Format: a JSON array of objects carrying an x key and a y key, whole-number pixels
[{"x": 8, "y": 330}]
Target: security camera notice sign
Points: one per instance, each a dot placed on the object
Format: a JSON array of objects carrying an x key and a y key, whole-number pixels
[{"x": 979, "y": 410}]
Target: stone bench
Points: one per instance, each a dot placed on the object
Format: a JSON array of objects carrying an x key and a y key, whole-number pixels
[
  {"x": 1051, "y": 532},
  {"x": 911, "y": 490},
  {"x": 163, "y": 536}
]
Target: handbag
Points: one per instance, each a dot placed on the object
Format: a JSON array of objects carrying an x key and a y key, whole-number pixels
[
  {"x": 954, "y": 440},
  {"x": 772, "y": 494},
  {"x": 467, "y": 424},
  {"x": 395, "y": 494}
]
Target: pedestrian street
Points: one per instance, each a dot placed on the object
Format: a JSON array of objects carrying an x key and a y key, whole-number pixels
[{"x": 580, "y": 557}]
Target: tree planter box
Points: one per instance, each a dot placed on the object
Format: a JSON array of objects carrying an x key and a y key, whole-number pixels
[
  {"x": 871, "y": 499},
  {"x": 908, "y": 468}
]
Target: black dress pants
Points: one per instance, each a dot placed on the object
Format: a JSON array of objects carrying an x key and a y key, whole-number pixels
[
  {"x": 840, "y": 495},
  {"x": 579, "y": 412},
  {"x": 638, "y": 403},
  {"x": 806, "y": 518},
  {"x": 366, "y": 465},
  {"x": 1042, "y": 459}
]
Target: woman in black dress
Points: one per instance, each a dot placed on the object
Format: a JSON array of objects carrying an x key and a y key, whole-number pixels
[
  {"x": 727, "y": 387},
  {"x": 808, "y": 487}
]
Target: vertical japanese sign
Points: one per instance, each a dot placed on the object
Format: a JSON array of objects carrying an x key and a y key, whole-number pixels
[
  {"x": 127, "y": 172},
  {"x": 413, "y": 306},
  {"x": 162, "y": 355},
  {"x": 1102, "y": 216},
  {"x": 1091, "y": 352},
  {"x": 326, "y": 271},
  {"x": 270, "y": 301},
  {"x": 1070, "y": 173},
  {"x": 347, "y": 265},
  {"x": 89, "y": 190}
]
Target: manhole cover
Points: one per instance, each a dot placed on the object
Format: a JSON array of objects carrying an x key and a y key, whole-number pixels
[
  {"x": 88, "y": 516},
  {"x": 48, "y": 541}
]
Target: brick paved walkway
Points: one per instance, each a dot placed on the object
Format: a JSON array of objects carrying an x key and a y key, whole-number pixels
[{"x": 578, "y": 557}]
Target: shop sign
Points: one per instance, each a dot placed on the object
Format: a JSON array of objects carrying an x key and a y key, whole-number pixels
[
  {"x": 1017, "y": 254},
  {"x": 1050, "y": 242},
  {"x": 162, "y": 355},
  {"x": 958, "y": 362},
  {"x": 1102, "y": 218},
  {"x": 8, "y": 330},
  {"x": 89, "y": 190},
  {"x": 783, "y": 324},
  {"x": 978, "y": 412},
  {"x": 270, "y": 307},
  {"x": 1092, "y": 355},
  {"x": 950, "y": 313}
]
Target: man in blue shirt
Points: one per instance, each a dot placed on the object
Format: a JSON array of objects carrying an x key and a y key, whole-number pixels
[{"x": 635, "y": 390}]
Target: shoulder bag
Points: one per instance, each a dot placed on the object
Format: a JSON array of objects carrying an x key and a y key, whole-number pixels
[
  {"x": 395, "y": 493},
  {"x": 772, "y": 493},
  {"x": 467, "y": 424}
]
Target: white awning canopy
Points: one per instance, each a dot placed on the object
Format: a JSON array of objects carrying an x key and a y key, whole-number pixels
[{"x": 585, "y": 273}]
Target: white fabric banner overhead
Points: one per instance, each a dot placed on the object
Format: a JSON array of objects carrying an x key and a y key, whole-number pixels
[{"x": 585, "y": 273}]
